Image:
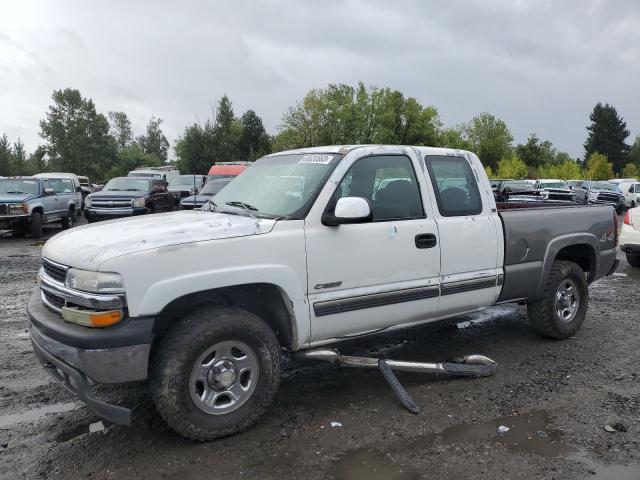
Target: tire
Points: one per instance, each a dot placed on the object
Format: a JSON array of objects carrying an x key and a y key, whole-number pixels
[
  {"x": 544, "y": 314},
  {"x": 67, "y": 221},
  {"x": 634, "y": 260},
  {"x": 36, "y": 224},
  {"x": 175, "y": 391},
  {"x": 633, "y": 204}
]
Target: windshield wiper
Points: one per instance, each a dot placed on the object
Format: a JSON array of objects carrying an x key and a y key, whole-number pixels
[
  {"x": 247, "y": 208},
  {"x": 14, "y": 192},
  {"x": 132, "y": 190}
]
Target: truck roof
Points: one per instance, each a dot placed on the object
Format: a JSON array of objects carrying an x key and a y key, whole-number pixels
[{"x": 344, "y": 149}]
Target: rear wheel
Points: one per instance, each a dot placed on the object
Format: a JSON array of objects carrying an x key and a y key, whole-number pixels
[
  {"x": 563, "y": 306},
  {"x": 634, "y": 260},
  {"x": 36, "y": 224},
  {"x": 215, "y": 372}
]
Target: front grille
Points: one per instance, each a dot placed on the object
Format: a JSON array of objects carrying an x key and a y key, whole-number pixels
[
  {"x": 111, "y": 203},
  {"x": 54, "y": 300},
  {"x": 608, "y": 197},
  {"x": 55, "y": 271},
  {"x": 4, "y": 208}
]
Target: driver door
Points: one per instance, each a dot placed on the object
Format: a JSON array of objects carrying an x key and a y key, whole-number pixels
[{"x": 369, "y": 276}]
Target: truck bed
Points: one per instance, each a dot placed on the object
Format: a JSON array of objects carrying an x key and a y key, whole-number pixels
[{"x": 533, "y": 238}]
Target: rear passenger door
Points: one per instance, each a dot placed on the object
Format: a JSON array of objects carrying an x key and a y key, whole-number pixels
[{"x": 470, "y": 234}]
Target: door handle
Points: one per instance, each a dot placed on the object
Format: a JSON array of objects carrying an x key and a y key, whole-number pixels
[{"x": 426, "y": 240}]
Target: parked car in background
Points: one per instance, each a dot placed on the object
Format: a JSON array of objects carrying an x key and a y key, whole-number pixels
[
  {"x": 126, "y": 197},
  {"x": 227, "y": 169},
  {"x": 66, "y": 184},
  {"x": 555, "y": 190},
  {"x": 517, "y": 190},
  {"x": 630, "y": 236},
  {"x": 572, "y": 183},
  {"x": 186, "y": 185},
  {"x": 632, "y": 195},
  {"x": 209, "y": 191},
  {"x": 166, "y": 174},
  {"x": 598, "y": 192},
  {"x": 27, "y": 203},
  {"x": 203, "y": 303},
  {"x": 87, "y": 187}
]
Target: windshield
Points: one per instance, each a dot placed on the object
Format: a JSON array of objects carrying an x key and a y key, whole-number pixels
[
  {"x": 520, "y": 185},
  {"x": 12, "y": 185},
  {"x": 278, "y": 186},
  {"x": 214, "y": 186},
  {"x": 128, "y": 184},
  {"x": 185, "y": 180},
  {"x": 545, "y": 184},
  {"x": 605, "y": 186},
  {"x": 145, "y": 175}
]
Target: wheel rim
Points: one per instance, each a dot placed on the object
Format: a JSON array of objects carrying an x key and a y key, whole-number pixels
[
  {"x": 567, "y": 300},
  {"x": 224, "y": 377}
]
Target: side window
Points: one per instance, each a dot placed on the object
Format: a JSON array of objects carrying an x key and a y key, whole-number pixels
[
  {"x": 390, "y": 185},
  {"x": 62, "y": 185},
  {"x": 455, "y": 186}
]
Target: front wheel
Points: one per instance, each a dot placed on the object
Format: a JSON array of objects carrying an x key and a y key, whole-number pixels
[
  {"x": 563, "y": 306},
  {"x": 36, "y": 224},
  {"x": 634, "y": 260},
  {"x": 68, "y": 220},
  {"x": 215, "y": 372}
]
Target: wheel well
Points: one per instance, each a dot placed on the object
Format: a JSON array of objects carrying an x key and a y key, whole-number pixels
[
  {"x": 266, "y": 300},
  {"x": 582, "y": 254},
  {"x": 38, "y": 209}
]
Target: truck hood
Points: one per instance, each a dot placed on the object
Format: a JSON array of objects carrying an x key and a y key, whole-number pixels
[
  {"x": 90, "y": 245},
  {"x": 15, "y": 197}
]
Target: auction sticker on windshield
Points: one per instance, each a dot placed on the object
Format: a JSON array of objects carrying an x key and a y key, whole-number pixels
[{"x": 316, "y": 158}]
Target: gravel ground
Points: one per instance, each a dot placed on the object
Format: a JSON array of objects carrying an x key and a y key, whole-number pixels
[{"x": 555, "y": 397}]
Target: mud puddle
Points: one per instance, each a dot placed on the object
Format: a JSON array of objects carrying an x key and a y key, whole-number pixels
[
  {"x": 530, "y": 432},
  {"x": 370, "y": 465},
  {"x": 598, "y": 471},
  {"x": 36, "y": 413}
]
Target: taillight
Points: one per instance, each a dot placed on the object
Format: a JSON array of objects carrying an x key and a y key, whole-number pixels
[
  {"x": 627, "y": 218},
  {"x": 615, "y": 228}
]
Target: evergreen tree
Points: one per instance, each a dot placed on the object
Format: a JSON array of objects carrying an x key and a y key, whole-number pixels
[
  {"x": 154, "y": 142},
  {"x": 5, "y": 156},
  {"x": 607, "y": 135}
]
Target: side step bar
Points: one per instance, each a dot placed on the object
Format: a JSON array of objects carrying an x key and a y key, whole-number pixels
[{"x": 469, "y": 366}]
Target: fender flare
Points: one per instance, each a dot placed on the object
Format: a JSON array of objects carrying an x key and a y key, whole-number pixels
[
  {"x": 564, "y": 241},
  {"x": 157, "y": 296}
]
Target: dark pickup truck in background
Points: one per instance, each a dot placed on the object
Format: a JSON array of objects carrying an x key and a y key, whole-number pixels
[{"x": 126, "y": 197}]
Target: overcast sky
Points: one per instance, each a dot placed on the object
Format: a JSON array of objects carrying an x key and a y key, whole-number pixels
[{"x": 539, "y": 65}]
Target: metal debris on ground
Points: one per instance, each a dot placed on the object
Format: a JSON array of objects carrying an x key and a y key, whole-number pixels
[
  {"x": 336, "y": 424},
  {"x": 609, "y": 428},
  {"x": 503, "y": 429},
  {"x": 96, "y": 427}
]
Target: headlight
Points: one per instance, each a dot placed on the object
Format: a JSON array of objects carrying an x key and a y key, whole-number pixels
[
  {"x": 545, "y": 194},
  {"x": 18, "y": 208},
  {"x": 87, "y": 201},
  {"x": 96, "y": 282},
  {"x": 138, "y": 202}
]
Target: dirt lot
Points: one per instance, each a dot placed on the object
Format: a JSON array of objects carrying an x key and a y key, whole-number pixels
[{"x": 556, "y": 398}]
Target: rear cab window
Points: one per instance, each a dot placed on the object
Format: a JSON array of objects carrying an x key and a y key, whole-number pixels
[{"x": 454, "y": 185}]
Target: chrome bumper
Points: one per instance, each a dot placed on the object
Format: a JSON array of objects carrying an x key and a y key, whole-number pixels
[{"x": 94, "y": 301}]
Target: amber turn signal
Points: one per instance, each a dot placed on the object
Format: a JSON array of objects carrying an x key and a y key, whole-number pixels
[{"x": 91, "y": 318}]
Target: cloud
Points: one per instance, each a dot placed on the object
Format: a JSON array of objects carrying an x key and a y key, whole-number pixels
[{"x": 539, "y": 65}]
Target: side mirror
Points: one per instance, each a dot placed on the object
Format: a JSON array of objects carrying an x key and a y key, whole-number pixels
[
  {"x": 349, "y": 210},
  {"x": 49, "y": 191}
]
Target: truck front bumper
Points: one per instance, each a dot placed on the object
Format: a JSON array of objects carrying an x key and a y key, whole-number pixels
[
  {"x": 77, "y": 357},
  {"x": 11, "y": 221}
]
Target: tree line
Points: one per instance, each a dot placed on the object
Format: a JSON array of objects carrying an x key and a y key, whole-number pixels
[{"x": 77, "y": 138}]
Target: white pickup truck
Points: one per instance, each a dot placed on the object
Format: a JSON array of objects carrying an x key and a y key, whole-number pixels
[{"x": 204, "y": 303}]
